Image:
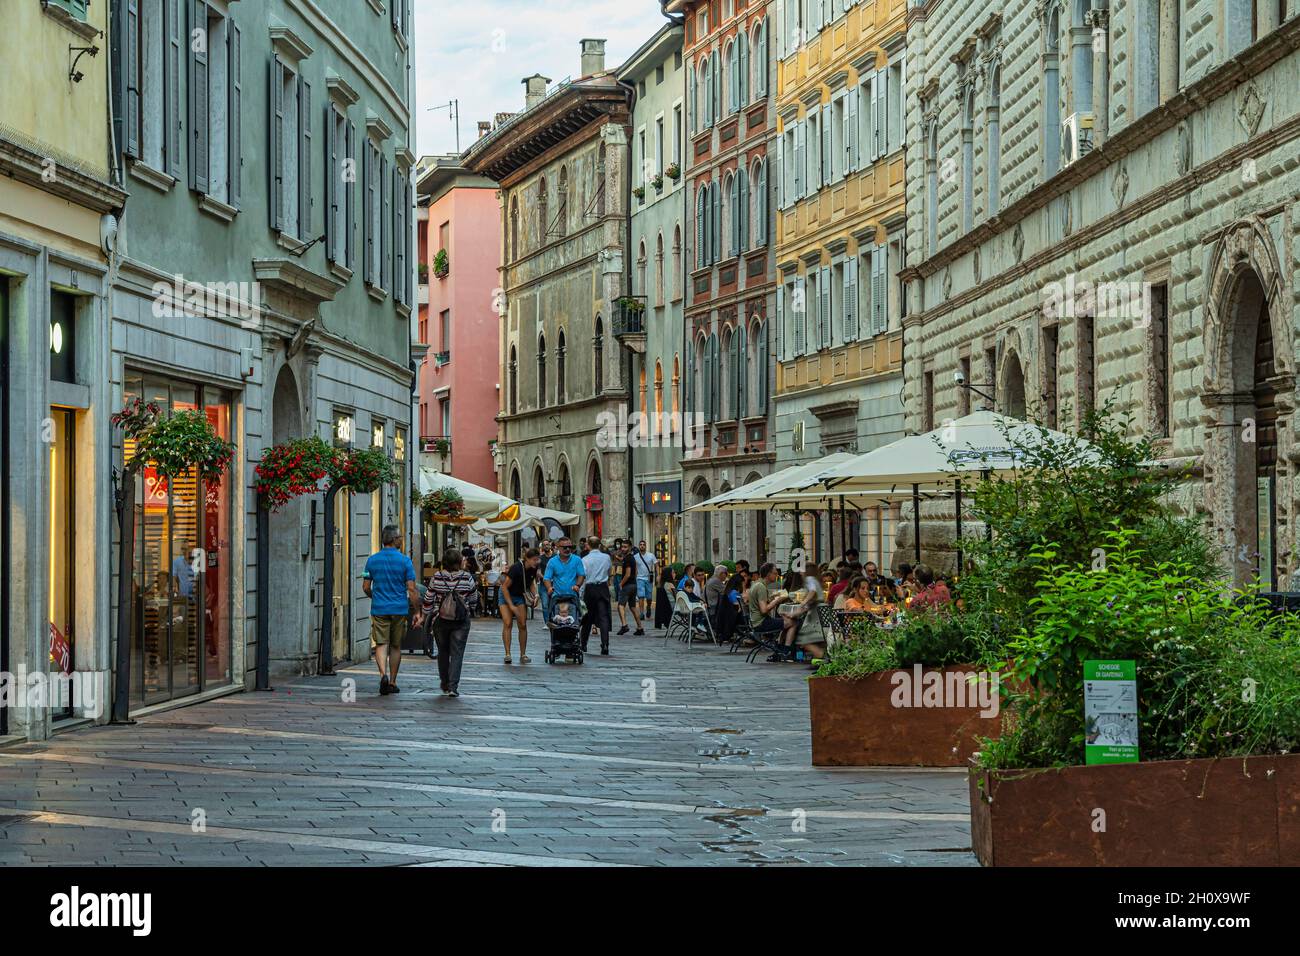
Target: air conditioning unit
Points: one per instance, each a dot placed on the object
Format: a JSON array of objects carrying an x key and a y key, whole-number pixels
[{"x": 1076, "y": 137}]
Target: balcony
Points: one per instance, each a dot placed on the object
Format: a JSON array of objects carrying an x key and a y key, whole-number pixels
[
  {"x": 629, "y": 322},
  {"x": 442, "y": 358}
]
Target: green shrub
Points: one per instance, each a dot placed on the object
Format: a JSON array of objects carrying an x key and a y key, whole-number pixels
[
  {"x": 859, "y": 656},
  {"x": 677, "y": 568},
  {"x": 938, "y": 640},
  {"x": 705, "y": 566}
]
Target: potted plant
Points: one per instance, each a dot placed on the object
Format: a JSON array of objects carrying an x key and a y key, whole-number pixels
[
  {"x": 442, "y": 446},
  {"x": 443, "y": 505},
  {"x": 673, "y": 172},
  {"x": 638, "y": 192},
  {"x": 423, "y": 270},
  {"x": 630, "y": 304},
  {"x": 658, "y": 182},
  {"x": 908, "y": 696},
  {"x": 441, "y": 265}
]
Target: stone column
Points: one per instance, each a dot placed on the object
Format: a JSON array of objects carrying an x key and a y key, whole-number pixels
[
  {"x": 1168, "y": 47},
  {"x": 1098, "y": 19}
]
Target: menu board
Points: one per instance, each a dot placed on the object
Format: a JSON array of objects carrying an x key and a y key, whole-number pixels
[{"x": 1110, "y": 711}]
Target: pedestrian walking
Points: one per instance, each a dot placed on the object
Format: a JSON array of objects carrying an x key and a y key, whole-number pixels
[
  {"x": 627, "y": 591},
  {"x": 595, "y": 593},
  {"x": 519, "y": 594},
  {"x": 451, "y": 595},
  {"x": 646, "y": 562},
  {"x": 389, "y": 582}
]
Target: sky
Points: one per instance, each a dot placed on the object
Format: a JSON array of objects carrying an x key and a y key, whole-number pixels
[{"x": 479, "y": 51}]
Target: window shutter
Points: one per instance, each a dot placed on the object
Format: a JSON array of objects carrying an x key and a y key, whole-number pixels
[
  {"x": 800, "y": 159},
  {"x": 742, "y": 371},
  {"x": 781, "y": 334},
  {"x": 701, "y": 255},
  {"x": 824, "y": 286},
  {"x": 234, "y": 117},
  {"x": 882, "y": 103},
  {"x": 870, "y": 125},
  {"x": 760, "y": 205},
  {"x": 367, "y": 213},
  {"x": 717, "y": 377},
  {"x": 828, "y": 156},
  {"x": 744, "y": 69},
  {"x": 800, "y": 316},
  {"x": 708, "y": 370},
  {"x": 174, "y": 26},
  {"x": 850, "y": 325},
  {"x": 765, "y": 58},
  {"x": 688, "y": 391},
  {"x": 304, "y": 161},
  {"x": 791, "y": 26},
  {"x": 332, "y": 182},
  {"x": 762, "y": 365},
  {"x": 717, "y": 87},
  {"x": 733, "y": 77},
  {"x": 851, "y": 131},
  {"x": 385, "y": 239},
  {"x": 408, "y": 232},
  {"x": 350, "y": 207},
  {"x": 743, "y": 231},
  {"x": 199, "y": 127},
  {"x": 131, "y": 94},
  {"x": 715, "y": 222},
  {"x": 692, "y": 105},
  {"x": 878, "y": 290},
  {"x": 276, "y": 165},
  {"x": 399, "y": 245}
]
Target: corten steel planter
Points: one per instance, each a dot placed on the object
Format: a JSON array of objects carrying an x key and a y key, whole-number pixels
[
  {"x": 856, "y": 724},
  {"x": 1232, "y": 811}
]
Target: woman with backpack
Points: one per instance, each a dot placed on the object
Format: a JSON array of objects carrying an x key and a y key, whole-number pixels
[{"x": 451, "y": 595}]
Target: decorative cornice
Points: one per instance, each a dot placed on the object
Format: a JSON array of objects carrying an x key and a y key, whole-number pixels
[
  {"x": 287, "y": 42},
  {"x": 376, "y": 127},
  {"x": 838, "y": 80},
  {"x": 29, "y": 167},
  {"x": 288, "y": 275},
  {"x": 991, "y": 25},
  {"x": 341, "y": 91}
]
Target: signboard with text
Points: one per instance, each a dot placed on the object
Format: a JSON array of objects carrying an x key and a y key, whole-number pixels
[{"x": 1110, "y": 711}]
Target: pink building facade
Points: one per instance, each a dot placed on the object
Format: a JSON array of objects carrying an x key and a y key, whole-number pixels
[{"x": 460, "y": 247}]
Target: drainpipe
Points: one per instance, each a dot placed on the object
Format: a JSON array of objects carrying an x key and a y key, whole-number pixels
[{"x": 630, "y": 90}]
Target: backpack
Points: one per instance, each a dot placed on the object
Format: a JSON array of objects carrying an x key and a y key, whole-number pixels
[{"x": 452, "y": 609}]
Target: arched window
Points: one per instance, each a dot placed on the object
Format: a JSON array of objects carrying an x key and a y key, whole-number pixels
[
  {"x": 968, "y": 160},
  {"x": 539, "y": 485},
  {"x": 760, "y": 203},
  {"x": 702, "y": 227},
  {"x": 677, "y": 262},
  {"x": 640, "y": 269},
  {"x": 932, "y": 189},
  {"x": 566, "y": 487},
  {"x": 514, "y": 382},
  {"x": 543, "y": 217},
  {"x": 659, "y": 269},
  {"x": 514, "y": 228},
  {"x": 559, "y": 369},
  {"x": 602, "y": 174},
  {"x": 733, "y": 214},
  {"x": 677, "y": 391},
  {"x": 759, "y": 59},
  {"x": 541, "y": 371},
  {"x": 645, "y": 410},
  {"x": 598, "y": 371},
  {"x": 659, "y": 398},
  {"x": 733, "y": 77},
  {"x": 993, "y": 153},
  {"x": 562, "y": 214}
]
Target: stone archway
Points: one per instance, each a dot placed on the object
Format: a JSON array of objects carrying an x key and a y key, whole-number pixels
[
  {"x": 1248, "y": 396},
  {"x": 286, "y": 603},
  {"x": 1011, "y": 386}
]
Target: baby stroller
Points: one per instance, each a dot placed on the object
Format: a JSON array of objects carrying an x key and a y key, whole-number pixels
[{"x": 563, "y": 625}]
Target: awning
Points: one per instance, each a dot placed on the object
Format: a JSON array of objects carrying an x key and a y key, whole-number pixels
[
  {"x": 480, "y": 503},
  {"x": 529, "y": 517}
]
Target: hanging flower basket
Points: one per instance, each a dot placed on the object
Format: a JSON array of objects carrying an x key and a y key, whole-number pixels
[
  {"x": 363, "y": 470},
  {"x": 673, "y": 172},
  {"x": 444, "y": 505},
  {"x": 293, "y": 469},
  {"x": 174, "y": 445}
]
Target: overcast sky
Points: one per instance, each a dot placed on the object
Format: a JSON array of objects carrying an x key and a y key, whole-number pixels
[{"x": 478, "y": 51}]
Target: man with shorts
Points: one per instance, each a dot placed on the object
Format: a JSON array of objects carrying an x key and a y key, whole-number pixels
[
  {"x": 627, "y": 589},
  {"x": 390, "y": 584},
  {"x": 645, "y": 578}
]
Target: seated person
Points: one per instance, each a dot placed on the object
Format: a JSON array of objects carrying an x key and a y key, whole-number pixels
[
  {"x": 859, "y": 599},
  {"x": 687, "y": 575},
  {"x": 931, "y": 593},
  {"x": 699, "y": 610},
  {"x": 763, "y": 601},
  {"x": 841, "y": 585},
  {"x": 802, "y": 626}
]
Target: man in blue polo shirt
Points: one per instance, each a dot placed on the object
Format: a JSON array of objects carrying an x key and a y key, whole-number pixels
[
  {"x": 564, "y": 572},
  {"x": 390, "y": 585}
]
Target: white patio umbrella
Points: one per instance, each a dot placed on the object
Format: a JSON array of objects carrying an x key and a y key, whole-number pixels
[
  {"x": 479, "y": 502},
  {"x": 529, "y": 517},
  {"x": 754, "y": 496}
]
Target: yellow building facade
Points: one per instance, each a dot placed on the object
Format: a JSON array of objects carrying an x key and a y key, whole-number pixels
[
  {"x": 59, "y": 206},
  {"x": 839, "y": 231}
]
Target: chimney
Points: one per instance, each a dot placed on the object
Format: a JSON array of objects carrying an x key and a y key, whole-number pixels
[
  {"x": 593, "y": 57},
  {"x": 500, "y": 118},
  {"x": 534, "y": 89},
  {"x": 484, "y": 127}
]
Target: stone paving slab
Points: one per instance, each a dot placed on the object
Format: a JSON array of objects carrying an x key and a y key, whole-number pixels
[{"x": 654, "y": 756}]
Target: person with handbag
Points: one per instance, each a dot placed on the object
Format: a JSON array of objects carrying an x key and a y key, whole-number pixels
[
  {"x": 519, "y": 593},
  {"x": 447, "y": 604}
]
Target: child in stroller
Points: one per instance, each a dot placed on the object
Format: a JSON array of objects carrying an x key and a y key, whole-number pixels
[{"x": 563, "y": 625}]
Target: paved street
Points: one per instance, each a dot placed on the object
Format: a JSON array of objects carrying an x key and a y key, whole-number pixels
[{"x": 532, "y": 765}]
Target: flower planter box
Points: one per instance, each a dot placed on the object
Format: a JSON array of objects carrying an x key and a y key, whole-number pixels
[
  {"x": 1225, "y": 812},
  {"x": 856, "y": 723}
]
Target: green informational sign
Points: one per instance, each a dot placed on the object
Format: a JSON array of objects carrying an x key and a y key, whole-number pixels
[{"x": 1110, "y": 708}]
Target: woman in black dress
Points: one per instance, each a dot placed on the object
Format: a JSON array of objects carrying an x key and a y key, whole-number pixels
[{"x": 663, "y": 602}]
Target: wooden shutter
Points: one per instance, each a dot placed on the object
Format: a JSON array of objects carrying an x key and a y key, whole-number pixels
[
  {"x": 870, "y": 125},
  {"x": 200, "y": 153},
  {"x": 408, "y": 231},
  {"x": 350, "y": 206},
  {"x": 850, "y": 327},
  {"x": 367, "y": 213},
  {"x": 276, "y": 165},
  {"x": 688, "y": 393},
  {"x": 743, "y": 231},
  {"x": 733, "y": 201},
  {"x": 800, "y": 159},
  {"x": 692, "y": 105},
  {"x": 760, "y": 205},
  {"x": 882, "y": 103},
  {"x": 715, "y": 222},
  {"x": 744, "y": 69},
  {"x": 399, "y": 247},
  {"x": 716, "y": 76},
  {"x": 824, "y": 290},
  {"x": 878, "y": 291},
  {"x": 700, "y": 256},
  {"x": 385, "y": 240},
  {"x": 173, "y": 41},
  {"x": 762, "y": 365},
  {"x": 800, "y": 315},
  {"x": 234, "y": 121},
  {"x": 742, "y": 371},
  {"x": 131, "y": 94},
  {"x": 304, "y": 160},
  {"x": 851, "y": 130},
  {"x": 828, "y": 156},
  {"x": 332, "y": 181}
]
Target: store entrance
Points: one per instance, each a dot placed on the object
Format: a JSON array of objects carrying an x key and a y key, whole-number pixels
[{"x": 63, "y": 495}]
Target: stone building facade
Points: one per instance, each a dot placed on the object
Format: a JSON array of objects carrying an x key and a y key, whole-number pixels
[
  {"x": 841, "y": 242},
  {"x": 1103, "y": 208},
  {"x": 730, "y": 298},
  {"x": 655, "y": 79},
  {"x": 562, "y": 168},
  {"x": 265, "y": 278}
]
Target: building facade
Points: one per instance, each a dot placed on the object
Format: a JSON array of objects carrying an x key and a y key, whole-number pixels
[
  {"x": 1104, "y": 210},
  {"x": 264, "y": 276},
  {"x": 730, "y": 295},
  {"x": 459, "y": 374},
  {"x": 561, "y": 165},
  {"x": 60, "y": 200},
  {"x": 655, "y": 77},
  {"x": 840, "y": 235}
]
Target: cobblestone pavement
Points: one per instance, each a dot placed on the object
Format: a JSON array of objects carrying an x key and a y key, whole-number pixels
[{"x": 657, "y": 755}]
